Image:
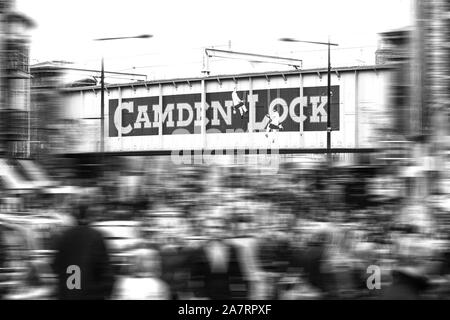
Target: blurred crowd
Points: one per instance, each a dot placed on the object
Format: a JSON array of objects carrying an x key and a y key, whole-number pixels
[{"x": 228, "y": 232}]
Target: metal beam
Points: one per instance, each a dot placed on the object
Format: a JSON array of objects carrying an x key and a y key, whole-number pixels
[
  {"x": 109, "y": 72},
  {"x": 240, "y": 76},
  {"x": 253, "y": 57},
  {"x": 303, "y": 41},
  {"x": 142, "y": 36}
]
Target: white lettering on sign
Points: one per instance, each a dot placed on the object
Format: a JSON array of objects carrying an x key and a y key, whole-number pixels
[
  {"x": 280, "y": 102},
  {"x": 168, "y": 114},
  {"x": 222, "y": 113},
  {"x": 217, "y": 107},
  {"x": 302, "y": 102},
  {"x": 117, "y": 117},
  {"x": 142, "y": 117},
  {"x": 198, "y": 112},
  {"x": 318, "y": 110},
  {"x": 155, "y": 109},
  {"x": 188, "y": 108}
]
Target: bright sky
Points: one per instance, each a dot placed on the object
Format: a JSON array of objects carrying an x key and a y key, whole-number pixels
[{"x": 65, "y": 30}]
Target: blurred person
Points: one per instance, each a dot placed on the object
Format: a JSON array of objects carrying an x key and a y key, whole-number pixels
[
  {"x": 409, "y": 278},
  {"x": 84, "y": 247},
  {"x": 246, "y": 242},
  {"x": 174, "y": 252},
  {"x": 216, "y": 273},
  {"x": 30, "y": 284},
  {"x": 26, "y": 272},
  {"x": 342, "y": 265},
  {"x": 274, "y": 252},
  {"x": 363, "y": 255},
  {"x": 143, "y": 280},
  {"x": 312, "y": 260}
]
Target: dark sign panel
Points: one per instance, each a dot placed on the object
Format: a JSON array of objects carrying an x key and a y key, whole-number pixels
[{"x": 182, "y": 113}]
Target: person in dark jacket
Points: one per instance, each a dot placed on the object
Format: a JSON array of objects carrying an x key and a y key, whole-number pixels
[
  {"x": 216, "y": 272},
  {"x": 311, "y": 260},
  {"x": 174, "y": 265},
  {"x": 81, "y": 252}
]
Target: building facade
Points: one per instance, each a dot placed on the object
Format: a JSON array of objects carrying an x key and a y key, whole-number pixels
[
  {"x": 46, "y": 137},
  {"x": 14, "y": 81},
  {"x": 432, "y": 87}
]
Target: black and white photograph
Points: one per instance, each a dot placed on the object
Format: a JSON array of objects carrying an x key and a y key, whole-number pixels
[{"x": 237, "y": 151}]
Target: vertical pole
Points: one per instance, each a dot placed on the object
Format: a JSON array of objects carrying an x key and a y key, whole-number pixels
[
  {"x": 206, "y": 64},
  {"x": 28, "y": 99},
  {"x": 160, "y": 115},
  {"x": 356, "y": 110},
  {"x": 204, "y": 106},
  {"x": 5, "y": 82},
  {"x": 160, "y": 112},
  {"x": 329, "y": 106},
  {"x": 251, "y": 111},
  {"x": 302, "y": 138},
  {"x": 203, "y": 101},
  {"x": 3, "y": 26},
  {"x": 119, "y": 105},
  {"x": 329, "y": 204},
  {"x": 102, "y": 109}
]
